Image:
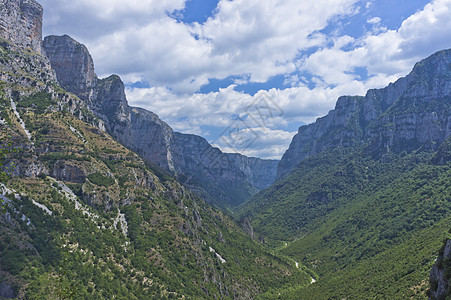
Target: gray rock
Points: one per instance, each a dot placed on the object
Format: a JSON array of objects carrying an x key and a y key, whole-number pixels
[
  {"x": 439, "y": 286},
  {"x": 231, "y": 178},
  {"x": 73, "y": 65},
  {"x": 246, "y": 224},
  {"x": 6, "y": 291},
  {"x": 411, "y": 113},
  {"x": 65, "y": 171},
  {"x": 21, "y": 23},
  {"x": 35, "y": 169}
]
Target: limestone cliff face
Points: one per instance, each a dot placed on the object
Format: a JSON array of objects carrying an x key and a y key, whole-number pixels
[
  {"x": 413, "y": 112},
  {"x": 21, "y": 23},
  {"x": 20, "y": 32},
  {"x": 439, "y": 278},
  {"x": 231, "y": 178},
  {"x": 66, "y": 54},
  {"x": 22, "y": 64}
]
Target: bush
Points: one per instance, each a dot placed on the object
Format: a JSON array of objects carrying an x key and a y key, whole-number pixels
[
  {"x": 39, "y": 101},
  {"x": 101, "y": 180}
]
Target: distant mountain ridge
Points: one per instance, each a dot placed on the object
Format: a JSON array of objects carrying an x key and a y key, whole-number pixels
[
  {"x": 231, "y": 178},
  {"x": 411, "y": 113}
]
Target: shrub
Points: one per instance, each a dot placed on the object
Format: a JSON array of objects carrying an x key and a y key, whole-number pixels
[{"x": 101, "y": 180}]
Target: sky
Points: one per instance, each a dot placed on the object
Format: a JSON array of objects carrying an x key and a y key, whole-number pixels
[{"x": 245, "y": 74}]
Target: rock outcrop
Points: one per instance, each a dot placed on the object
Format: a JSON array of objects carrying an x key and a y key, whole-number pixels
[
  {"x": 21, "y": 31},
  {"x": 441, "y": 273},
  {"x": 229, "y": 178},
  {"x": 413, "y": 112},
  {"x": 66, "y": 54},
  {"x": 21, "y": 23}
]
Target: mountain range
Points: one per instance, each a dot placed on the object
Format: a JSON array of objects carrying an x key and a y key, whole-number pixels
[
  {"x": 227, "y": 179},
  {"x": 105, "y": 200}
]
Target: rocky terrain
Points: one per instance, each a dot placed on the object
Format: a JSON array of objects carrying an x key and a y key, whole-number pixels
[
  {"x": 83, "y": 216},
  {"x": 231, "y": 178},
  {"x": 441, "y": 273},
  {"x": 21, "y": 23},
  {"x": 103, "y": 198},
  {"x": 411, "y": 113}
]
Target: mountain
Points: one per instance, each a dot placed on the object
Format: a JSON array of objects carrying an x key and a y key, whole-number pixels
[
  {"x": 228, "y": 179},
  {"x": 411, "y": 113},
  {"x": 86, "y": 217},
  {"x": 364, "y": 193}
]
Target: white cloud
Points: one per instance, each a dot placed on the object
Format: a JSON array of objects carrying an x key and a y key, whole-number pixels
[
  {"x": 251, "y": 40},
  {"x": 375, "y": 20},
  {"x": 273, "y": 114},
  {"x": 255, "y": 38},
  {"x": 386, "y": 55},
  {"x": 257, "y": 142}
]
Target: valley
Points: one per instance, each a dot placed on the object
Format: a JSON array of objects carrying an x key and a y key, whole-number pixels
[{"x": 104, "y": 200}]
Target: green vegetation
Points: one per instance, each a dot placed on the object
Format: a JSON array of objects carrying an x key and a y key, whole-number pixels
[
  {"x": 39, "y": 102},
  {"x": 6, "y": 147},
  {"x": 362, "y": 228},
  {"x": 165, "y": 251},
  {"x": 358, "y": 222},
  {"x": 101, "y": 180}
]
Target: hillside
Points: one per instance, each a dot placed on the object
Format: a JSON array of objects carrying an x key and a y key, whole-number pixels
[
  {"x": 88, "y": 218},
  {"x": 367, "y": 207},
  {"x": 105, "y": 201},
  {"x": 125, "y": 231}
]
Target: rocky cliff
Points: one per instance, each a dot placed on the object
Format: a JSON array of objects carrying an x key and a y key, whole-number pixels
[
  {"x": 411, "y": 113},
  {"x": 441, "y": 273},
  {"x": 21, "y": 23},
  {"x": 66, "y": 54},
  {"x": 231, "y": 178}
]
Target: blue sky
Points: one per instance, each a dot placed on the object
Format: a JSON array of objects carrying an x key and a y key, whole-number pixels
[
  {"x": 251, "y": 70},
  {"x": 355, "y": 26}
]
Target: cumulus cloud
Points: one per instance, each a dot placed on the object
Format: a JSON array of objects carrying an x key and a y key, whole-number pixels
[
  {"x": 270, "y": 117},
  {"x": 375, "y": 20},
  {"x": 255, "y": 38},
  {"x": 256, "y": 142},
  {"x": 251, "y": 41},
  {"x": 385, "y": 54}
]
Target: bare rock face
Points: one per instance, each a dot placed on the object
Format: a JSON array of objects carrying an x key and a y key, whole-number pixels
[
  {"x": 21, "y": 23},
  {"x": 68, "y": 172},
  {"x": 439, "y": 277},
  {"x": 73, "y": 65},
  {"x": 227, "y": 179},
  {"x": 411, "y": 113},
  {"x": 246, "y": 224}
]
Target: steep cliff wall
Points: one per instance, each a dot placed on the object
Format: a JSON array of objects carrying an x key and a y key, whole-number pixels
[
  {"x": 21, "y": 23},
  {"x": 66, "y": 54},
  {"x": 441, "y": 273},
  {"x": 411, "y": 113},
  {"x": 231, "y": 178}
]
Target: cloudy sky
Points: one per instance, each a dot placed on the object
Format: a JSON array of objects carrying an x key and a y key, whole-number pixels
[{"x": 245, "y": 74}]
